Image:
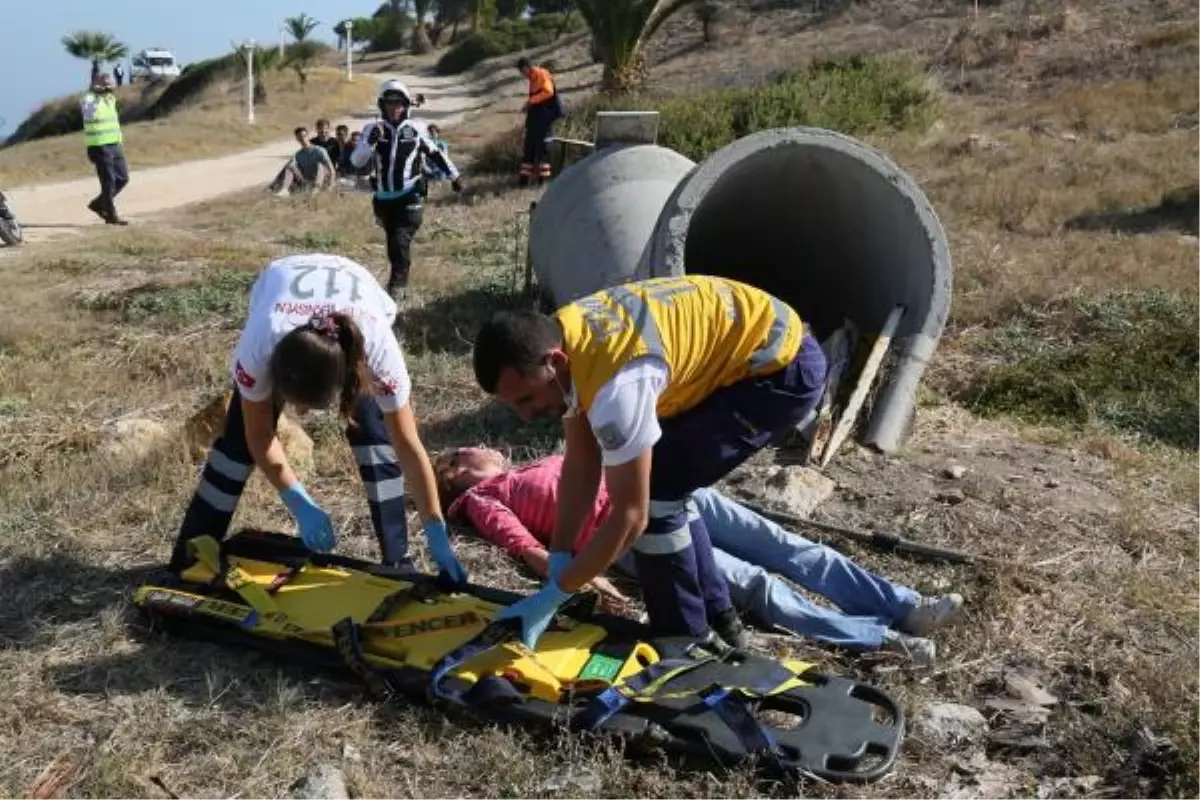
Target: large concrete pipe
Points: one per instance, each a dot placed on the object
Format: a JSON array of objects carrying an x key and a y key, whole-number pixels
[
  {"x": 591, "y": 225},
  {"x": 830, "y": 225}
]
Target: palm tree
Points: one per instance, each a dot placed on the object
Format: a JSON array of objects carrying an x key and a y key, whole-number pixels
[
  {"x": 620, "y": 30},
  {"x": 94, "y": 46},
  {"x": 300, "y": 27}
]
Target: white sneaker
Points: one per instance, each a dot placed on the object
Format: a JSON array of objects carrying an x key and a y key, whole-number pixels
[
  {"x": 931, "y": 613},
  {"x": 920, "y": 652}
]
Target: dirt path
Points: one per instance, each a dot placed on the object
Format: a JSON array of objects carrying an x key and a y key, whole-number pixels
[{"x": 55, "y": 209}]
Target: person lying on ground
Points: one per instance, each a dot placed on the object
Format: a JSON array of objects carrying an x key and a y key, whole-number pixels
[
  {"x": 515, "y": 507},
  {"x": 319, "y": 335},
  {"x": 308, "y": 169}
]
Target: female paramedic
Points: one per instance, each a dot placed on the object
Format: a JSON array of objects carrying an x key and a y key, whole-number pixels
[{"x": 319, "y": 334}]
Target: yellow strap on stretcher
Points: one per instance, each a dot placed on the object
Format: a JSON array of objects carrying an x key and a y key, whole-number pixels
[{"x": 207, "y": 551}]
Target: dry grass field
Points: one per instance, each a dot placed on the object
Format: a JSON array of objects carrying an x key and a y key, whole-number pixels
[{"x": 1063, "y": 165}]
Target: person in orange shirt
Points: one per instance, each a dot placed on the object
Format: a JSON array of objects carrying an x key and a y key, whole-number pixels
[{"x": 541, "y": 110}]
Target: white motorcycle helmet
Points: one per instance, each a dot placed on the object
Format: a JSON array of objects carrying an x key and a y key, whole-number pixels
[{"x": 392, "y": 89}]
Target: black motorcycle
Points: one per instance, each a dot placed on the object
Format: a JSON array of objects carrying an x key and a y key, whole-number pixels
[{"x": 10, "y": 229}]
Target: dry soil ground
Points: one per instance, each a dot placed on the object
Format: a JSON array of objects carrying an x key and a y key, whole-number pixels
[{"x": 1093, "y": 592}]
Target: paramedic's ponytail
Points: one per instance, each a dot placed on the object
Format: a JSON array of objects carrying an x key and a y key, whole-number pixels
[{"x": 357, "y": 378}]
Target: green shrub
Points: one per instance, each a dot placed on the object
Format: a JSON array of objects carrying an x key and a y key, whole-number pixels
[
  {"x": 221, "y": 293},
  {"x": 855, "y": 96},
  {"x": 501, "y": 154},
  {"x": 1125, "y": 360},
  {"x": 506, "y": 36},
  {"x": 195, "y": 78}
]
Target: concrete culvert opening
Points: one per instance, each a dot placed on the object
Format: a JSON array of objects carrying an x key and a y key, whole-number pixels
[{"x": 831, "y": 226}]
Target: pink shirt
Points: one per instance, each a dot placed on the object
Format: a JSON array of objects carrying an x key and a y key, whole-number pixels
[{"x": 517, "y": 510}]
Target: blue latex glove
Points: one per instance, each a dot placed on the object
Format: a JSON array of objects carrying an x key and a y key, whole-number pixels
[
  {"x": 558, "y": 562},
  {"x": 439, "y": 548},
  {"x": 316, "y": 528},
  {"x": 536, "y": 612}
]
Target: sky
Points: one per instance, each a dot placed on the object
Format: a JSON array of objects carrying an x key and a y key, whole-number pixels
[{"x": 37, "y": 67}]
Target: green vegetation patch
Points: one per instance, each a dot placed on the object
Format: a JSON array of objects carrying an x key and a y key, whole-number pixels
[
  {"x": 855, "y": 95},
  {"x": 1125, "y": 360},
  {"x": 506, "y": 36},
  {"x": 221, "y": 293}
]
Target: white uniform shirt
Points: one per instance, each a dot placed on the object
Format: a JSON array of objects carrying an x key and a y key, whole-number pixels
[
  {"x": 624, "y": 413},
  {"x": 289, "y": 291}
]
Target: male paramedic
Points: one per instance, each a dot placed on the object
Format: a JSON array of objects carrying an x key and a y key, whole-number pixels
[{"x": 664, "y": 386}]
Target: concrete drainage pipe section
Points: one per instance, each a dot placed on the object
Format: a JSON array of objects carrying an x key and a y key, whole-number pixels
[
  {"x": 817, "y": 218},
  {"x": 591, "y": 225},
  {"x": 830, "y": 225}
]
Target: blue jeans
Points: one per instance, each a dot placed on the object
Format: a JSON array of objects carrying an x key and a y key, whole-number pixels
[{"x": 749, "y": 548}]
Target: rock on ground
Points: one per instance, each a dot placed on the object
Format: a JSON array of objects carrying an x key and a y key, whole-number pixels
[
  {"x": 799, "y": 488},
  {"x": 321, "y": 782},
  {"x": 949, "y": 725},
  {"x": 206, "y": 424}
]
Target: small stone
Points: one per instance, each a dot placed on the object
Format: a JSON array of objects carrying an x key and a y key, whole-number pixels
[
  {"x": 991, "y": 779},
  {"x": 1078, "y": 786},
  {"x": 945, "y": 725},
  {"x": 799, "y": 488},
  {"x": 955, "y": 472},
  {"x": 1025, "y": 688},
  {"x": 951, "y": 497},
  {"x": 579, "y": 781},
  {"x": 134, "y": 438},
  {"x": 1052, "y": 483},
  {"x": 321, "y": 782},
  {"x": 351, "y": 754}
]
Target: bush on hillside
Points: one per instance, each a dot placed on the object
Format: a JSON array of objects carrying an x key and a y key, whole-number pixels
[
  {"x": 1126, "y": 360},
  {"x": 855, "y": 96},
  {"x": 506, "y": 36},
  {"x": 193, "y": 79}
]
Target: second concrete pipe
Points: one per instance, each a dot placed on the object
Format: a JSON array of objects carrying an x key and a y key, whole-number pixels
[{"x": 821, "y": 220}]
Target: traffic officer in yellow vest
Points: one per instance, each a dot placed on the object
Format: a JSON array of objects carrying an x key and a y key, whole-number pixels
[
  {"x": 102, "y": 133},
  {"x": 666, "y": 385}
]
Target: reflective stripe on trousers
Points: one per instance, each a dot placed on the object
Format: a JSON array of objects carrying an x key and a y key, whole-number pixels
[{"x": 229, "y": 466}]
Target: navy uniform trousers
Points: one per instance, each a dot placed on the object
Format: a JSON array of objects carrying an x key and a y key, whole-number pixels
[
  {"x": 681, "y": 586},
  {"x": 229, "y": 466}
]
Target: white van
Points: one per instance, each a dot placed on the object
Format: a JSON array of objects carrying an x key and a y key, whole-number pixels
[{"x": 154, "y": 64}]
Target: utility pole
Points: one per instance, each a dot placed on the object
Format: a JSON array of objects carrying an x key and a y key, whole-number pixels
[
  {"x": 250, "y": 81},
  {"x": 349, "y": 52},
  {"x": 282, "y": 34}
]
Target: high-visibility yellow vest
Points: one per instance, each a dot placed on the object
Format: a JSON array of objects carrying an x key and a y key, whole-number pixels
[
  {"x": 105, "y": 125},
  {"x": 711, "y": 332}
]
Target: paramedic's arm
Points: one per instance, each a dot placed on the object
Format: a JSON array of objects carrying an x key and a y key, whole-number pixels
[
  {"x": 364, "y": 150},
  {"x": 420, "y": 484},
  {"x": 265, "y": 447},
  {"x": 578, "y": 483},
  {"x": 629, "y": 500}
]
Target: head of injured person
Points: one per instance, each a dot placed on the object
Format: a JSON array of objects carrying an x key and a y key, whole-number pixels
[
  {"x": 322, "y": 364},
  {"x": 459, "y": 468},
  {"x": 519, "y": 359}
]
